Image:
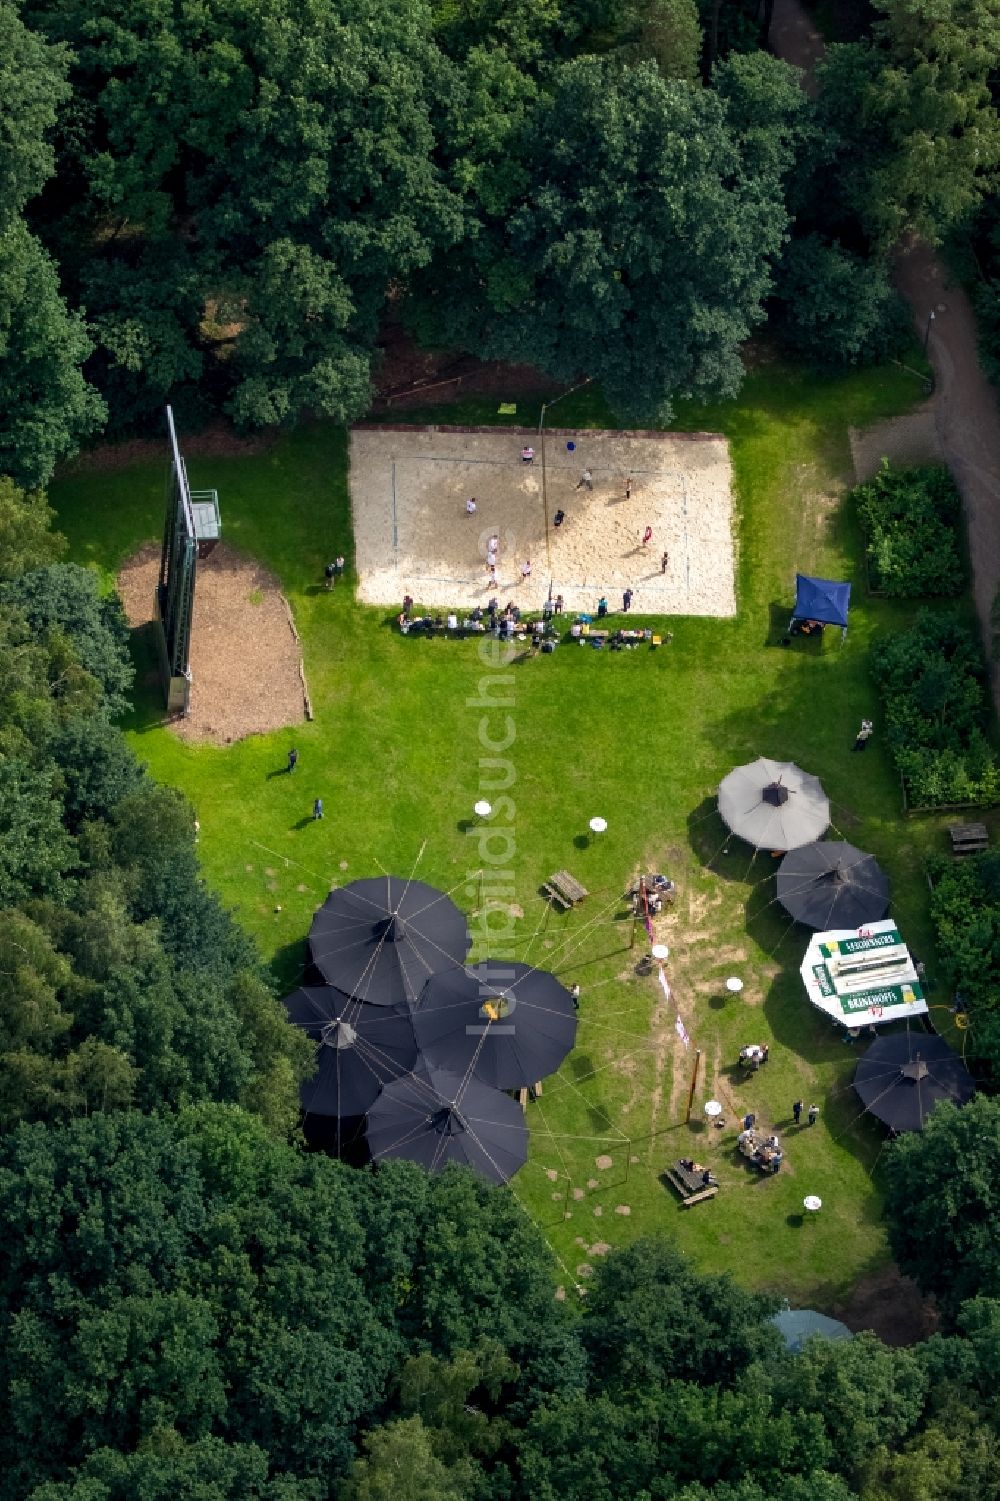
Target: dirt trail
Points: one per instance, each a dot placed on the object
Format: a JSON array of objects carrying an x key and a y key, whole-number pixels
[
  {"x": 795, "y": 37},
  {"x": 966, "y": 413},
  {"x": 967, "y": 416}
]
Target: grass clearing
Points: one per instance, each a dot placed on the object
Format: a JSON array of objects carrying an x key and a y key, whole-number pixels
[{"x": 641, "y": 738}]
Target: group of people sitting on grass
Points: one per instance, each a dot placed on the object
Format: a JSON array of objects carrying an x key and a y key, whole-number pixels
[
  {"x": 506, "y": 623},
  {"x": 509, "y": 622}
]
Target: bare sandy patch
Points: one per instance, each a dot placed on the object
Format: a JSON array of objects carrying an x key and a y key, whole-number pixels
[
  {"x": 245, "y": 660},
  {"x": 409, "y": 488}
]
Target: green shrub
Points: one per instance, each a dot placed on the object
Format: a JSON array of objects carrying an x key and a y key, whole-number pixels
[
  {"x": 965, "y": 908},
  {"x": 910, "y": 517},
  {"x": 932, "y": 681},
  {"x": 986, "y": 299}
]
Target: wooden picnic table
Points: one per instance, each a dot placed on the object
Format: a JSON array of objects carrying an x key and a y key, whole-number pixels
[
  {"x": 968, "y": 838},
  {"x": 564, "y": 889},
  {"x": 689, "y": 1184}
]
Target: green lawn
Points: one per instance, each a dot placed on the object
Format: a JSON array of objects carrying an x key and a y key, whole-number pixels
[{"x": 640, "y": 737}]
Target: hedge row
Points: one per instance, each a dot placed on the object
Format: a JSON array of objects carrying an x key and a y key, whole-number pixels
[
  {"x": 965, "y": 907},
  {"x": 936, "y": 711},
  {"x": 911, "y": 517}
]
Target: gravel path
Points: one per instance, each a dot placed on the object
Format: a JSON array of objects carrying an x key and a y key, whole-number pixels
[
  {"x": 966, "y": 414},
  {"x": 912, "y": 439}
]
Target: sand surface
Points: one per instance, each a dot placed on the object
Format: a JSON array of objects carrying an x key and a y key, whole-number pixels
[{"x": 409, "y": 488}]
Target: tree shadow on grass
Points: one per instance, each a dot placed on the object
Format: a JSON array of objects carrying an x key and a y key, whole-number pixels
[
  {"x": 148, "y": 710},
  {"x": 291, "y": 967}
]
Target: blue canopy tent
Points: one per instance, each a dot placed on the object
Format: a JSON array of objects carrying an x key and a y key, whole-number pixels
[{"x": 821, "y": 600}]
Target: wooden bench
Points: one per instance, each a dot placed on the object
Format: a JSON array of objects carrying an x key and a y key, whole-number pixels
[
  {"x": 564, "y": 890},
  {"x": 704, "y": 1193},
  {"x": 968, "y": 838}
]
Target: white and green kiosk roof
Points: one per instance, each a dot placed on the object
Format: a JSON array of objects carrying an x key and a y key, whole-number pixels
[{"x": 861, "y": 976}]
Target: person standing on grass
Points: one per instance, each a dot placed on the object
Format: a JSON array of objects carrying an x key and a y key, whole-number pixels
[
  {"x": 293, "y": 757},
  {"x": 664, "y": 561},
  {"x": 627, "y": 600},
  {"x": 647, "y": 536},
  {"x": 330, "y": 573},
  {"x": 338, "y": 568},
  {"x": 863, "y": 735},
  {"x": 797, "y": 1112},
  {"x": 318, "y": 808},
  {"x": 575, "y": 996},
  {"x": 813, "y": 1114}
]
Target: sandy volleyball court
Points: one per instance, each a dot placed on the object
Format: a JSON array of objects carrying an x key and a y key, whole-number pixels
[{"x": 409, "y": 487}]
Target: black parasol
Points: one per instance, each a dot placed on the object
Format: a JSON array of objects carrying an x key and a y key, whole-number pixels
[
  {"x": 903, "y": 1075},
  {"x": 434, "y": 1117},
  {"x": 379, "y": 939},
  {"x": 830, "y": 884},
  {"x": 359, "y": 1048},
  {"x": 774, "y": 805},
  {"x": 510, "y": 1024}
]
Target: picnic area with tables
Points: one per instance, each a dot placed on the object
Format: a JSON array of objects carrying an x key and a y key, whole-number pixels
[{"x": 401, "y": 771}]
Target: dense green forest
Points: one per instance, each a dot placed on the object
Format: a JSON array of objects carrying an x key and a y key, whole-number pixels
[{"x": 226, "y": 203}]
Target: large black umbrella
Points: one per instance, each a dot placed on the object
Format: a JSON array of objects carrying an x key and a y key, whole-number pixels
[
  {"x": 831, "y": 884},
  {"x": 904, "y": 1075},
  {"x": 774, "y": 805},
  {"x": 434, "y": 1117},
  {"x": 380, "y": 939},
  {"x": 509, "y": 1023},
  {"x": 359, "y": 1048}
]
